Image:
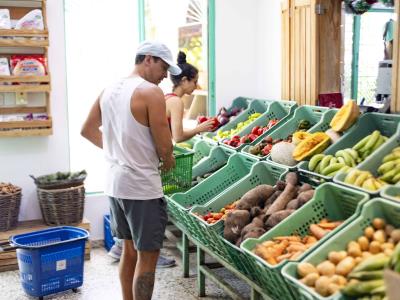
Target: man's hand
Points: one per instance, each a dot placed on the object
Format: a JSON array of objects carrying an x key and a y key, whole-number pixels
[{"x": 168, "y": 164}]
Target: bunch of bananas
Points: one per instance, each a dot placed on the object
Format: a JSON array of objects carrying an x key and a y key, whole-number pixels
[
  {"x": 343, "y": 160},
  {"x": 390, "y": 168},
  {"x": 329, "y": 165},
  {"x": 366, "y": 279},
  {"x": 364, "y": 179},
  {"x": 394, "y": 262},
  {"x": 369, "y": 144}
]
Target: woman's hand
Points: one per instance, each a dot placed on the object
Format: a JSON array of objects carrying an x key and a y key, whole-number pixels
[{"x": 205, "y": 126}]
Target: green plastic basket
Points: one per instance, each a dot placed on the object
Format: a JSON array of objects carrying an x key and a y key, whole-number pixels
[
  {"x": 330, "y": 201},
  {"x": 211, "y": 234},
  {"x": 365, "y": 125},
  {"x": 217, "y": 158},
  {"x": 255, "y": 106},
  {"x": 374, "y": 208},
  {"x": 179, "y": 204},
  {"x": 179, "y": 179},
  {"x": 391, "y": 192},
  {"x": 372, "y": 163},
  {"x": 275, "y": 110},
  {"x": 319, "y": 116}
]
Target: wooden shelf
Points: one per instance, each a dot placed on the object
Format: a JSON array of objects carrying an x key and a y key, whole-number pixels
[
  {"x": 25, "y": 88},
  {"x": 26, "y": 124},
  {"x": 26, "y": 132},
  {"x": 24, "y": 32},
  {"x": 43, "y": 79},
  {"x": 23, "y": 110},
  {"x": 24, "y": 43}
]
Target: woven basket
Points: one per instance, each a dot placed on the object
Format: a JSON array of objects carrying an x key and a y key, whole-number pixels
[
  {"x": 9, "y": 210},
  {"x": 62, "y": 206}
]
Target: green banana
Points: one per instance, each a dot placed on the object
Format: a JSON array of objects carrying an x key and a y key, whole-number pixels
[
  {"x": 341, "y": 160},
  {"x": 361, "y": 143},
  {"x": 372, "y": 263},
  {"x": 379, "y": 290},
  {"x": 361, "y": 178},
  {"x": 333, "y": 160},
  {"x": 365, "y": 154},
  {"x": 325, "y": 162},
  {"x": 388, "y": 176},
  {"x": 372, "y": 141},
  {"x": 318, "y": 168},
  {"x": 367, "y": 275},
  {"x": 396, "y": 178},
  {"x": 349, "y": 161},
  {"x": 352, "y": 152},
  {"x": 387, "y": 166},
  {"x": 362, "y": 288},
  {"x": 314, "y": 161},
  {"x": 332, "y": 168},
  {"x": 378, "y": 143},
  {"x": 391, "y": 156}
]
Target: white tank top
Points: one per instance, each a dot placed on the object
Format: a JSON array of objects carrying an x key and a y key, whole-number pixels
[{"x": 129, "y": 148}]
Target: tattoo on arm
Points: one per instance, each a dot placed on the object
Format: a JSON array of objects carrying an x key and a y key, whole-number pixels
[{"x": 144, "y": 285}]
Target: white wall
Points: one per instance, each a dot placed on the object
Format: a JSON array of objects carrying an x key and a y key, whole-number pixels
[{"x": 248, "y": 59}]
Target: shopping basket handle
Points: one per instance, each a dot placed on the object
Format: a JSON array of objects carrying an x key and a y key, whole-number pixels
[{"x": 6, "y": 246}]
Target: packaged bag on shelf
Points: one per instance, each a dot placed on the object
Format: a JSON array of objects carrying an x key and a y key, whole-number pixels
[
  {"x": 5, "y": 22},
  {"x": 32, "y": 21},
  {"x": 4, "y": 67},
  {"x": 28, "y": 65}
]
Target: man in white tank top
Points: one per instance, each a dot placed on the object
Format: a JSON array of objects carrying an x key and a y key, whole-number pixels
[{"x": 135, "y": 137}]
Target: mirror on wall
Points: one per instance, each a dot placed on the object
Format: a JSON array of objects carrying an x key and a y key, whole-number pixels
[{"x": 367, "y": 48}]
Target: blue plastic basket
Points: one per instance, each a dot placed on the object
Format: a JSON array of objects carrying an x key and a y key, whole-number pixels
[
  {"x": 108, "y": 238},
  {"x": 51, "y": 260}
]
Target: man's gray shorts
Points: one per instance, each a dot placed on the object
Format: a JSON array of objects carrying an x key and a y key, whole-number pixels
[{"x": 142, "y": 221}]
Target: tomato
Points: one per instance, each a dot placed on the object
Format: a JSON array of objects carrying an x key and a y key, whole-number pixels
[{"x": 255, "y": 130}]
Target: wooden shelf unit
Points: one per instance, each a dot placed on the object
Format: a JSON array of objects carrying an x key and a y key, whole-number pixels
[{"x": 16, "y": 41}]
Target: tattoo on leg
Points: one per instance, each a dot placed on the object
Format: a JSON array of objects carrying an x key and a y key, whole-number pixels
[{"x": 144, "y": 286}]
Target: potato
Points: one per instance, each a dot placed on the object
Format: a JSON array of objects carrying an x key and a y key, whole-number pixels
[
  {"x": 310, "y": 279},
  {"x": 303, "y": 269},
  {"x": 369, "y": 232},
  {"x": 395, "y": 235},
  {"x": 388, "y": 252},
  {"x": 336, "y": 256},
  {"x": 326, "y": 268},
  {"x": 366, "y": 254},
  {"x": 363, "y": 242},
  {"x": 333, "y": 288},
  {"x": 374, "y": 247},
  {"x": 345, "y": 266},
  {"x": 338, "y": 279},
  {"x": 379, "y": 236},
  {"x": 358, "y": 259},
  {"x": 354, "y": 249},
  {"x": 378, "y": 223},
  {"x": 389, "y": 229},
  {"x": 385, "y": 246},
  {"x": 322, "y": 285}
]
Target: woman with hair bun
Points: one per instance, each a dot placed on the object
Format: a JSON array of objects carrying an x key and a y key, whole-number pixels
[{"x": 183, "y": 84}]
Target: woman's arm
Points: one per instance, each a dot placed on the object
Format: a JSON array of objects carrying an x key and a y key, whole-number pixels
[{"x": 176, "y": 109}]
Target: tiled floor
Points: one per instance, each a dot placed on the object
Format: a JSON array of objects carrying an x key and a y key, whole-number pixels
[{"x": 101, "y": 282}]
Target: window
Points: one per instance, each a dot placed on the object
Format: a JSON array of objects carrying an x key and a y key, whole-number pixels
[{"x": 101, "y": 41}]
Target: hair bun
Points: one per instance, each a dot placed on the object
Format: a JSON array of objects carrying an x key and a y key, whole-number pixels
[{"x": 181, "y": 58}]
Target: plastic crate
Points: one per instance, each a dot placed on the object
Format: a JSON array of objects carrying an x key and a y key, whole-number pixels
[
  {"x": 179, "y": 204},
  {"x": 51, "y": 260},
  {"x": 319, "y": 116},
  {"x": 275, "y": 110},
  {"x": 391, "y": 192},
  {"x": 255, "y": 106},
  {"x": 330, "y": 201},
  {"x": 374, "y": 208},
  {"x": 365, "y": 125},
  {"x": 372, "y": 163},
  {"x": 211, "y": 234},
  {"x": 108, "y": 238},
  {"x": 180, "y": 177},
  {"x": 217, "y": 158},
  {"x": 201, "y": 150}
]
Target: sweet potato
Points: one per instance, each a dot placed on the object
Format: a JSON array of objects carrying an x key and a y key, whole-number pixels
[
  {"x": 255, "y": 197},
  {"x": 255, "y": 223},
  {"x": 280, "y": 185},
  {"x": 255, "y": 211},
  {"x": 291, "y": 178},
  {"x": 277, "y": 217},
  {"x": 306, "y": 196},
  {"x": 305, "y": 187},
  {"x": 272, "y": 198},
  {"x": 256, "y": 232},
  {"x": 234, "y": 223},
  {"x": 293, "y": 204},
  {"x": 280, "y": 203}
]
